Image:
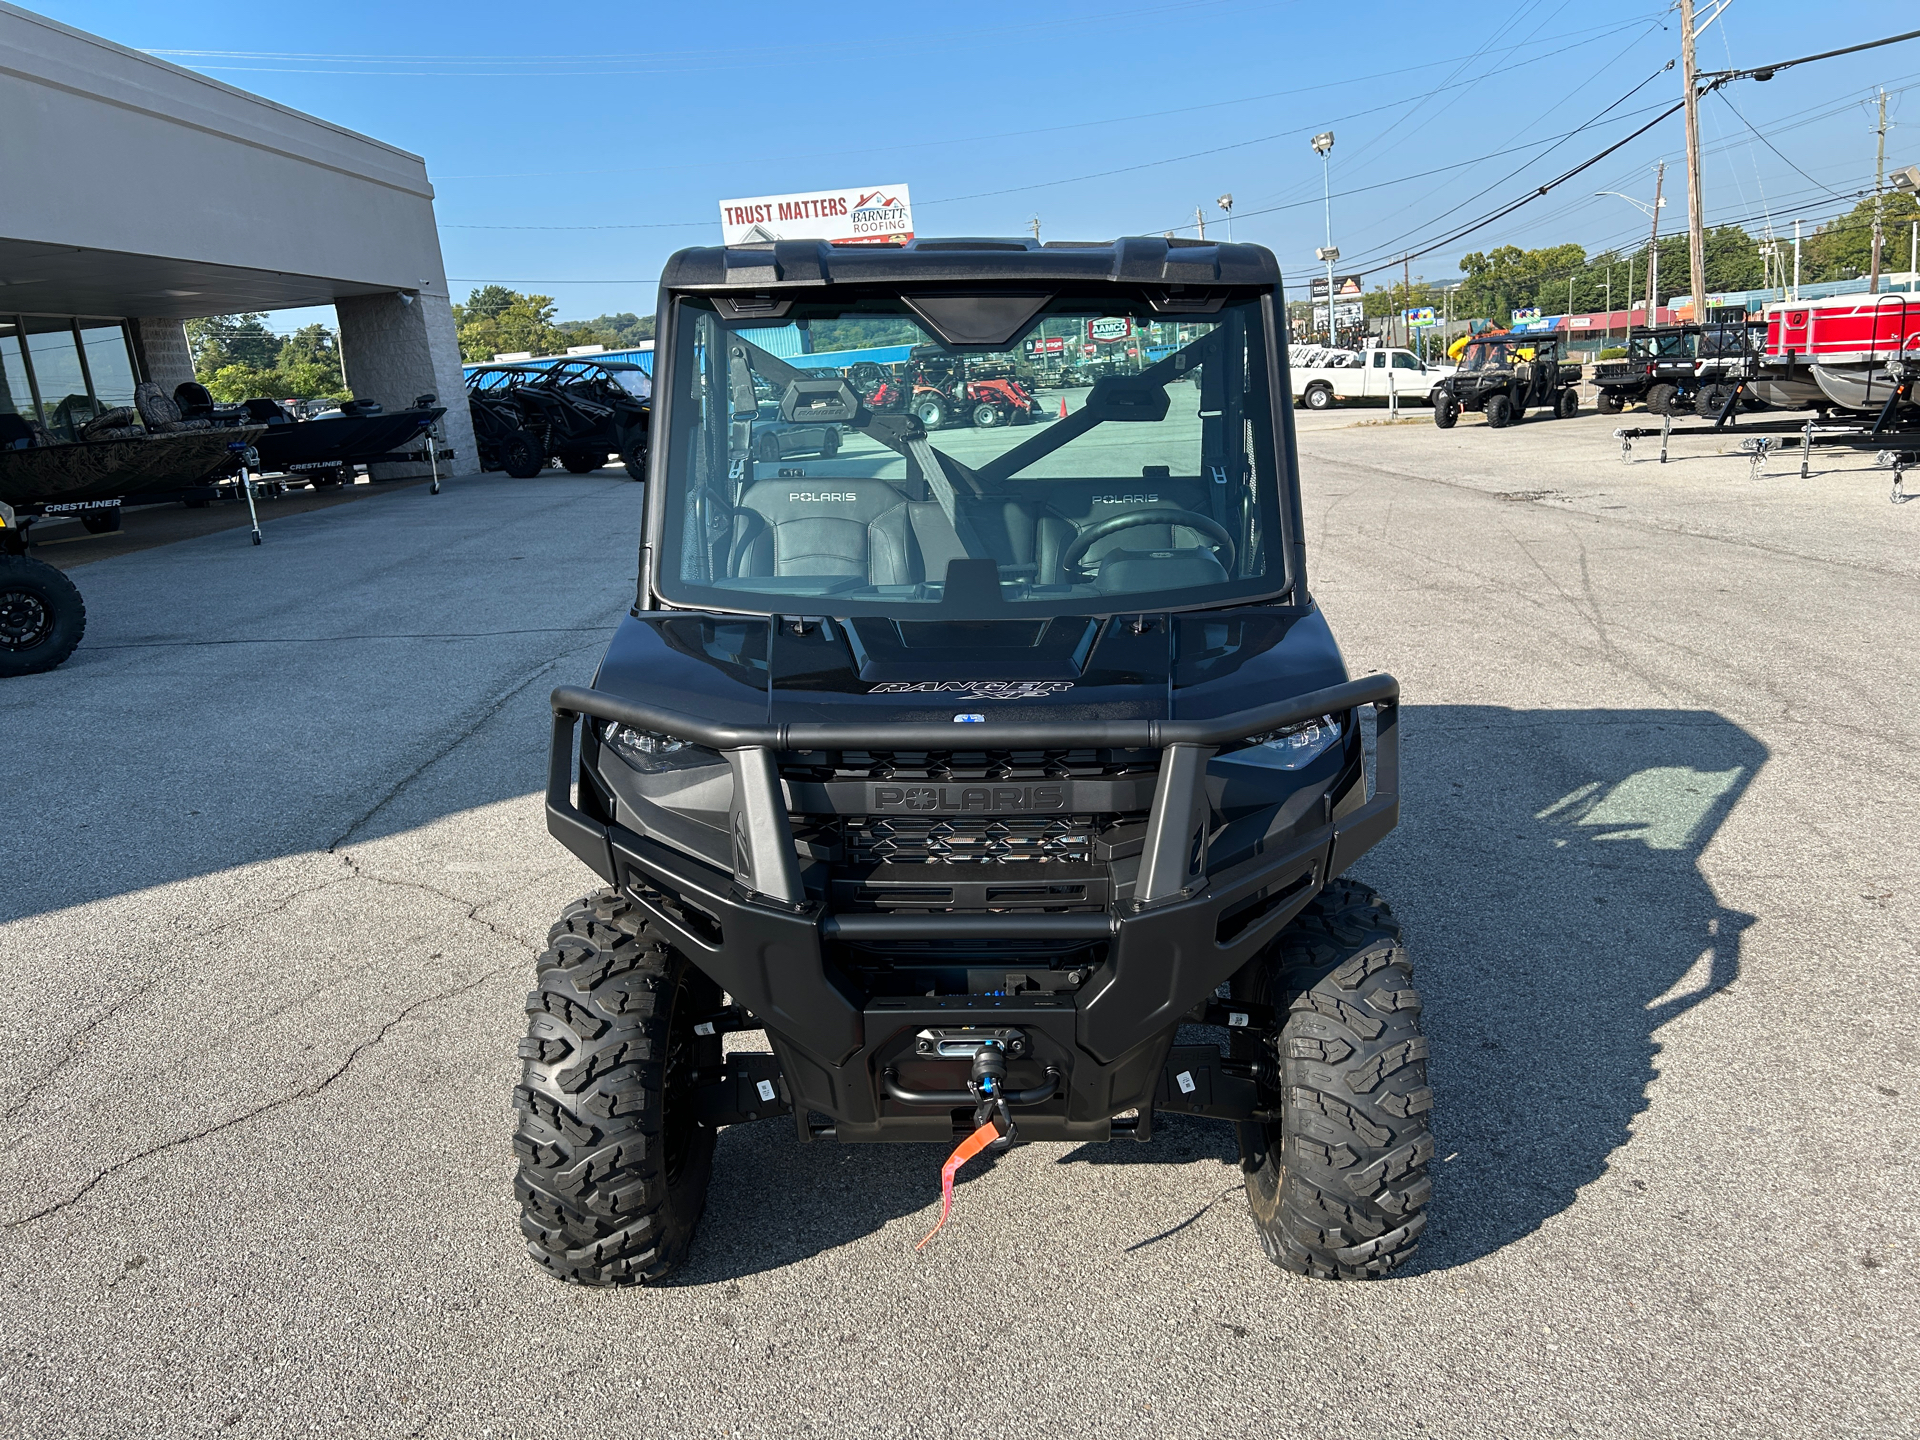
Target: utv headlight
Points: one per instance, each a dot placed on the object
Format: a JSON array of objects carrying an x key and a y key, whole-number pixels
[
  {"x": 1297, "y": 746},
  {"x": 642, "y": 749}
]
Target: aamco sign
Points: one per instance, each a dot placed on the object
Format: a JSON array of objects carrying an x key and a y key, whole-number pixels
[
  {"x": 879, "y": 216},
  {"x": 1109, "y": 328}
]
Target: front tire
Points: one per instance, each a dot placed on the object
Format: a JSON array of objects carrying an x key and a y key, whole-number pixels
[
  {"x": 42, "y": 616},
  {"x": 1446, "y": 414},
  {"x": 614, "y": 1162},
  {"x": 1607, "y": 402},
  {"x": 931, "y": 412},
  {"x": 581, "y": 462},
  {"x": 1567, "y": 405},
  {"x": 1319, "y": 397},
  {"x": 1499, "y": 411},
  {"x": 1339, "y": 1186},
  {"x": 523, "y": 455}
]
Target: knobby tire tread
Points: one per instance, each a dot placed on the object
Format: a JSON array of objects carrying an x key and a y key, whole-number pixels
[{"x": 1339, "y": 1188}]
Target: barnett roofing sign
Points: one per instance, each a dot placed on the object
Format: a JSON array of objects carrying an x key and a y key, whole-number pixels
[{"x": 880, "y": 216}]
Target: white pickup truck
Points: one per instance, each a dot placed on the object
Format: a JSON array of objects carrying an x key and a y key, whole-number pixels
[{"x": 1324, "y": 378}]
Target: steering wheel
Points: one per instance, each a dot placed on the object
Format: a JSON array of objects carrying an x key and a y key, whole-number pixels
[{"x": 1186, "y": 519}]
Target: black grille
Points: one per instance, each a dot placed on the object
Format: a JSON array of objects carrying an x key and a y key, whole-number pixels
[
  {"x": 968, "y": 839},
  {"x": 830, "y": 765}
]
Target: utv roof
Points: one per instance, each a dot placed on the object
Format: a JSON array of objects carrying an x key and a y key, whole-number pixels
[{"x": 1132, "y": 259}]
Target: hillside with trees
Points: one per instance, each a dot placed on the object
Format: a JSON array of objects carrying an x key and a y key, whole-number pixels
[
  {"x": 1559, "y": 279},
  {"x": 498, "y": 321}
]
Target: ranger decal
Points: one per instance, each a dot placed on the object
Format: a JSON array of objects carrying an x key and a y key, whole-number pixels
[{"x": 984, "y": 689}]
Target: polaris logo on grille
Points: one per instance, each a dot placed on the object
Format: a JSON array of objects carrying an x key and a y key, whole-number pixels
[{"x": 968, "y": 799}]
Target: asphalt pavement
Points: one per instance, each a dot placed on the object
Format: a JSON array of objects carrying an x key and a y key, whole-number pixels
[{"x": 276, "y": 873}]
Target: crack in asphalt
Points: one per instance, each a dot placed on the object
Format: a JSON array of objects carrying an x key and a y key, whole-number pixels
[
  {"x": 305, "y": 1092},
  {"x": 487, "y": 711},
  {"x": 473, "y": 907},
  {"x": 72, "y": 1051}
]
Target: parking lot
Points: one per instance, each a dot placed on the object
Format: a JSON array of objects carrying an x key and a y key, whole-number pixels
[{"x": 277, "y": 870}]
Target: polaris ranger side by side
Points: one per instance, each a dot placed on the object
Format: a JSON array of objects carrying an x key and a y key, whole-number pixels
[
  {"x": 970, "y": 772},
  {"x": 1504, "y": 375}
]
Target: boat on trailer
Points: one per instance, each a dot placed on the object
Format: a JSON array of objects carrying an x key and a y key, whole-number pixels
[{"x": 1849, "y": 346}]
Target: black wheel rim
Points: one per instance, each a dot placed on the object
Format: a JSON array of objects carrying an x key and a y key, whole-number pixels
[{"x": 25, "y": 620}]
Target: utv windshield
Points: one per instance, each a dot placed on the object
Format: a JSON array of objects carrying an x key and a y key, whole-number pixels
[
  {"x": 846, "y": 461},
  {"x": 1675, "y": 344}
]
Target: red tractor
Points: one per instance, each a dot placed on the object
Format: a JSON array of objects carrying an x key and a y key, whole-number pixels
[{"x": 943, "y": 390}]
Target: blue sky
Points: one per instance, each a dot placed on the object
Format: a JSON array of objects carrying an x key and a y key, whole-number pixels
[{"x": 613, "y": 129}]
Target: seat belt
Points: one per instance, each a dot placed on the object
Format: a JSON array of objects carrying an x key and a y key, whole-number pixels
[{"x": 949, "y": 503}]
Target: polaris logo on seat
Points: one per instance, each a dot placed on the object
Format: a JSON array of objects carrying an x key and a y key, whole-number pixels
[
  {"x": 968, "y": 799},
  {"x": 829, "y": 495},
  {"x": 1126, "y": 499}
]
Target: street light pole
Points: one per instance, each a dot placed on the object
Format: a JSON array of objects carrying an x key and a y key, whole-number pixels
[
  {"x": 1322, "y": 143},
  {"x": 1653, "y": 245},
  {"x": 1226, "y": 204}
]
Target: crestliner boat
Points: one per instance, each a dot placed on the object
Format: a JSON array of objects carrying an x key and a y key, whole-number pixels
[
  {"x": 52, "y": 477},
  {"x": 1848, "y": 346},
  {"x": 325, "y": 446}
]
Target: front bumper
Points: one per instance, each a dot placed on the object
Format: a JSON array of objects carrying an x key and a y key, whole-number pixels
[{"x": 759, "y": 936}]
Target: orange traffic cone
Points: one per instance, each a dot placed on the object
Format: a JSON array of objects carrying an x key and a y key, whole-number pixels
[{"x": 1063, "y": 407}]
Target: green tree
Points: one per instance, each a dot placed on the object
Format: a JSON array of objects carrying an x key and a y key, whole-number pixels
[
  {"x": 484, "y": 303},
  {"x": 488, "y": 328},
  {"x": 1842, "y": 249},
  {"x": 219, "y": 340},
  {"x": 238, "y": 381}
]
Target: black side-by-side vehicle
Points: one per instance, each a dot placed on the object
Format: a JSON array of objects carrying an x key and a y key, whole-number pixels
[
  {"x": 1505, "y": 375},
  {"x": 576, "y": 411},
  {"x": 969, "y": 773}
]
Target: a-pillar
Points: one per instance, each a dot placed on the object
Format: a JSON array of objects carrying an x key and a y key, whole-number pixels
[
  {"x": 165, "y": 357},
  {"x": 395, "y": 348}
]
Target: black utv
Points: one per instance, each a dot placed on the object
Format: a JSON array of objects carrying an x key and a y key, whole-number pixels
[
  {"x": 1672, "y": 369},
  {"x": 970, "y": 773},
  {"x": 575, "y": 411},
  {"x": 1504, "y": 375}
]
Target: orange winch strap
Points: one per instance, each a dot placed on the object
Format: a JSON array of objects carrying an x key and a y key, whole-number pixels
[{"x": 963, "y": 1152}]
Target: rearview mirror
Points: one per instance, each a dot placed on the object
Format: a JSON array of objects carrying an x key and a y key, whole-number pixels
[{"x": 1125, "y": 397}]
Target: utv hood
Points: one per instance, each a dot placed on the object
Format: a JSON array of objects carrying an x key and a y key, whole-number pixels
[{"x": 783, "y": 670}]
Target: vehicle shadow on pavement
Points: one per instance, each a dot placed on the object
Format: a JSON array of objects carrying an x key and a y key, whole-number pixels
[
  {"x": 1547, "y": 870},
  {"x": 789, "y": 1201}
]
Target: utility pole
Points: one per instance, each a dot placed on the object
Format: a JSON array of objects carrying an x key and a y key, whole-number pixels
[
  {"x": 1406, "y": 285},
  {"x": 1653, "y": 245},
  {"x": 1696, "y": 229},
  {"x": 1879, "y": 183},
  {"x": 1796, "y": 259},
  {"x": 1200, "y": 219},
  {"x": 1035, "y": 222}
]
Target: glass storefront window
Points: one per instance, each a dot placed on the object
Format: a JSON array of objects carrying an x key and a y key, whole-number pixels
[
  {"x": 65, "y": 404},
  {"x": 16, "y": 395},
  {"x": 109, "y": 363},
  {"x": 59, "y": 372}
]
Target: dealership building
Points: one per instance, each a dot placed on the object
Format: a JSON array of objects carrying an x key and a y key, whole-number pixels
[{"x": 138, "y": 194}]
